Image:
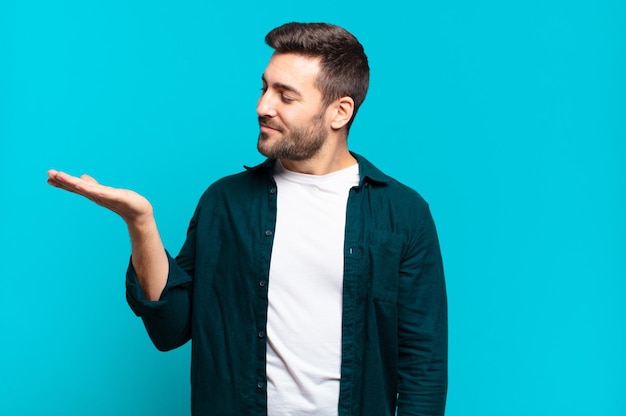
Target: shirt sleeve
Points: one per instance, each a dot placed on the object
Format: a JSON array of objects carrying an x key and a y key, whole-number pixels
[
  {"x": 168, "y": 320},
  {"x": 422, "y": 325}
]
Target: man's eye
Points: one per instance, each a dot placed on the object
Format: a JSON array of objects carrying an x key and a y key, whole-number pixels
[{"x": 286, "y": 98}]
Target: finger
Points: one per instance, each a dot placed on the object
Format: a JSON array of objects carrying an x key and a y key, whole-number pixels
[
  {"x": 85, "y": 185},
  {"x": 71, "y": 181},
  {"x": 59, "y": 176},
  {"x": 58, "y": 179},
  {"x": 65, "y": 186}
]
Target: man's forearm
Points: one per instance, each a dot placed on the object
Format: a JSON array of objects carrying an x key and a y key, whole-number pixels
[{"x": 148, "y": 257}]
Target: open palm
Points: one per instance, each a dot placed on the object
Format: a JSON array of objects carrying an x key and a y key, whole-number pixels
[{"x": 131, "y": 206}]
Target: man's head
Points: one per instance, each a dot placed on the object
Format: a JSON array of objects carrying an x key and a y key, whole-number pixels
[
  {"x": 343, "y": 63},
  {"x": 312, "y": 87}
]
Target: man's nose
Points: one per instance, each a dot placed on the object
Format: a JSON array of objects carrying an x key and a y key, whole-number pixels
[{"x": 266, "y": 106}]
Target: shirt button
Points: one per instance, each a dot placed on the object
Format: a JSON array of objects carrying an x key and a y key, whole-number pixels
[
  {"x": 261, "y": 334},
  {"x": 260, "y": 384},
  {"x": 272, "y": 190},
  {"x": 262, "y": 283},
  {"x": 268, "y": 232}
]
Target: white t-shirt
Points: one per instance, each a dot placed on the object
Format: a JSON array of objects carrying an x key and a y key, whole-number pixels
[{"x": 305, "y": 292}]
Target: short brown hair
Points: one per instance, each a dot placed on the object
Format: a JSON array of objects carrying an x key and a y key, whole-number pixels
[{"x": 344, "y": 67}]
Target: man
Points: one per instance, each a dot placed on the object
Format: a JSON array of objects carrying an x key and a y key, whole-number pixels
[{"x": 311, "y": 284}]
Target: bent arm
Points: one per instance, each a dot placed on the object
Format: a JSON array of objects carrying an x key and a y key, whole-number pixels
[{"x": 168, "y": 320}]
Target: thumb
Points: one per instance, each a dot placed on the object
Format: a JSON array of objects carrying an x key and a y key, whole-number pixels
[{"x": 88, "y": 178}]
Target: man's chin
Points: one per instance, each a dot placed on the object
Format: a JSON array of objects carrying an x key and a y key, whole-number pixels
[{"x": 262, "y": 147}]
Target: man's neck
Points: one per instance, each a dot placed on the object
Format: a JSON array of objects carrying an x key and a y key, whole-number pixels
[{"x": 321, "y": 164}]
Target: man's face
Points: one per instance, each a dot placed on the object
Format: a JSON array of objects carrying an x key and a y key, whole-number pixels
[{"x": 291, "y": 117}]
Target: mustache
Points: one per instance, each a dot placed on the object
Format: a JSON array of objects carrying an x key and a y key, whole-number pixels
[{"x": 264, "y": 121}]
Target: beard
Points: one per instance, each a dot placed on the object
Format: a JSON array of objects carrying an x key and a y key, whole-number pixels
[{"x": 298, "y": 143}]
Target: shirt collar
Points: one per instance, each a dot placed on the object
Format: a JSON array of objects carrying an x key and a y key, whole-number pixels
[{"x": 367, "y": 171}]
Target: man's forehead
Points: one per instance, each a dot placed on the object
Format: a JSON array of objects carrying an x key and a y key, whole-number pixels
[{"x": 290, "y": 68}]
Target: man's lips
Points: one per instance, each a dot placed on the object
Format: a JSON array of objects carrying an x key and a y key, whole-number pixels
[
  {"x": 265, "y": 127},
  {"x": 268, "y": 126}
]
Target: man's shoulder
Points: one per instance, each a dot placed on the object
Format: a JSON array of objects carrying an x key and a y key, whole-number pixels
[
  {"x": 241, "y": 183},
  {"x": 391, "y": 187},
  {"x": 404, "y": 192}
]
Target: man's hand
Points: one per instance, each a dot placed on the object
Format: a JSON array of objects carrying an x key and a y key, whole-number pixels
[
  {"x": 148, "y": 254},
  {"x": 132, "y": 207}
]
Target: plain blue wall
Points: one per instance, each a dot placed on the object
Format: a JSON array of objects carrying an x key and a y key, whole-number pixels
[{"x": 508, "y": 117}]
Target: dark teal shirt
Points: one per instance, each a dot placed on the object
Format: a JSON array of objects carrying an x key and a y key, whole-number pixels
[{"x": 394, "y": 336}]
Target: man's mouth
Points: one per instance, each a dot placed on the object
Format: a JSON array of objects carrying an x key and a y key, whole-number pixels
[{"x": 265, "y": 125}]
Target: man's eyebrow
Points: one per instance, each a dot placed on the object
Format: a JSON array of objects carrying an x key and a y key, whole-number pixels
[{"x": 282, "y": 86}]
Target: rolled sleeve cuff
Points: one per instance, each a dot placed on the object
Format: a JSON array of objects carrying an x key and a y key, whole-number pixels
[{"x": 136, "y": 298}]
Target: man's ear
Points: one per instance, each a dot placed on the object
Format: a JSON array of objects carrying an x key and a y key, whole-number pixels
[{"x": 344, "y": 109}]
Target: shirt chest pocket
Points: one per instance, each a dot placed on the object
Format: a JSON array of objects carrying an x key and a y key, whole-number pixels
[{"x": 384, "y": 254}]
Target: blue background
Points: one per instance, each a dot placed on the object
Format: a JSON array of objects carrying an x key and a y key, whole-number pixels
[{"x": 508, "y": 117}]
